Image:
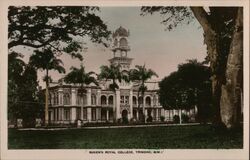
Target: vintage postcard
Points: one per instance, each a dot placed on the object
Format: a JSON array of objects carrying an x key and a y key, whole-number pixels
[{"x": 124, "y": 80}]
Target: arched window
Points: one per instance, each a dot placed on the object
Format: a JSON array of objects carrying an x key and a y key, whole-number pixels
[
  {"x": 134, "y": 100},
  {"x": 93, "y": 99},
  {"x": 66, "y": 99},
  {"x": 140, "y": 100},
  {"x": 123, "y": 42},
  {"x": 56, "y": 99},
  {"x": 84, "y": 99},
  {"x": 148, "y": 101},
  {"x": 81, "y": 99},
  {"x": 103, "y": 100},
  {"x": 111, "y": 101}
]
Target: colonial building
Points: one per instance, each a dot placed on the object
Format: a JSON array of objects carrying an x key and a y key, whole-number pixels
[{"x": 69, "y": 103}]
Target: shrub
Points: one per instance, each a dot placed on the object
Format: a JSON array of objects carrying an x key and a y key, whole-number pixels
[
  {"x": 162, "y": 118},
  {"x": 132, "y": 120},
  {"x": 119, "y": 120},
  {"x": 150, "y": 119},
  {"x": 176, "y": 119},
  {"x": 125, "y": 120},
  {"x": 185, "y": 118},
  {"x": 142, "y": 118}
]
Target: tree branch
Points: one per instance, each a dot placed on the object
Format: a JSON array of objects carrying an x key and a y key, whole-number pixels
[{"x": 202, "y": 17}]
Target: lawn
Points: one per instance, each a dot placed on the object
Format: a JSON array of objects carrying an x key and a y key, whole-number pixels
[{"x": 164, "y": 137}]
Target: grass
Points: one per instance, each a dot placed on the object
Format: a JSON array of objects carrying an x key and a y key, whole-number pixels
[{"x": 167, "y": 137}]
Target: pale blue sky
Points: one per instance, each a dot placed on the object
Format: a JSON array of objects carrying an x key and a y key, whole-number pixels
[{"x": 150, "y": 43}]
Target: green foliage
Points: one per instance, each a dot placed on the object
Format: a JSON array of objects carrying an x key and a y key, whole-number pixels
[
  {"x": 141, "y": 74},
  {"x": 185, "y": 118},
  {"x": 46, "y": 60},
  {"x": 113, "y": 73},
  {"x": 61, "y": 27},
  {"x": 23, "y": 95},
  {"x": 125, "y": 120},
  {"x": 173, "y": 16},
  {"x": 176, "y": 119},
  {"x": 190, "y": 85},
  {"x": 218, "y": 24},
  {"x": 162, "y": 118},
  {"x": 150, "y": 119},
  {"x": 80, "y": 76}
]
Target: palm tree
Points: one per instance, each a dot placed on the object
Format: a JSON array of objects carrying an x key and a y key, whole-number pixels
[
  {"x": 80, "y": 76},
  {"x": 141, "y": 74},
  {"x": 46, "y": 60},
  {"x": 113, "y": 73}
]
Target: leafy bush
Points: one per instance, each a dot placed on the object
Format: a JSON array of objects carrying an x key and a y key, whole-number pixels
[
  {"x": 176, "y": 119},
  {"x": 142, "y": 118},
  {"x": 162, "y": 118},
  {"x": 125, "y": 120},
  {"x": 132, "y": 120},
  {"x": 150, "y": 119},
  {"x": 185, "y": 118},
  {"x": 119, "y": 120}
]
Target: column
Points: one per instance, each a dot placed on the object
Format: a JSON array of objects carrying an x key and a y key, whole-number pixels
[
  {"x": 52, "y": 115},
  {"x": 195, "y": 110},
  {"x": 73, "y": 115},
  {"x": 117, "y": 106},
  {"x": 56, "y": 118},
  {"x": 62, "y": 113},
  {"x": 143, "y": 101},
  {"x": 98, "y": 97},
  {"x": 89, "y": 114},
  {"x": 73, "y": 97},
  {"x": 107, "y": 116},
  {"x": 157, "y": 101},
  {"x": 60, "y": 93},
  {"x": 180, "y": 115},
  {"x": 89, "y": 97},
  {"x": 157, "y": 114},
  {"x": 81, "y": 113},
  {"x": 152, "y": 102},
  {"x": 96, "y": 114},
  {"x": 137, "y": 114},
  {"x": 172, "y": 114},
  {"x": 146, "y": 115},
  {"x": 130, "y": 104}
]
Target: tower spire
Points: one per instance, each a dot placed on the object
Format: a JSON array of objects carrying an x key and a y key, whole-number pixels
[{"x": 120, "y": 48}]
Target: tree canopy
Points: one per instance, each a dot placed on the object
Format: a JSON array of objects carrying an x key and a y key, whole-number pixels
[
  {"x": 80, "y": 76},
  {"x": 57, "y": 27},
  {"x": 223, "y": 35},
  {"x": 141, "y": 74},
  {"x": 188, "y": 86},
  {"x": 113, "y": 73},
  {"x": 23, "y": 99}
]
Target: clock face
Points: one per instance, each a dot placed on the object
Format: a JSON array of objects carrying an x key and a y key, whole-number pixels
[{"x": 123, "y": 54}]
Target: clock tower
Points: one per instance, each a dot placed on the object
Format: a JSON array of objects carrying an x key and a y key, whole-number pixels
[{"x": 120, "y": 48}]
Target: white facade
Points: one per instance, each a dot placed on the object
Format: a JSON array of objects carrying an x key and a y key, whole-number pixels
[{"x": 69, "y": 103}]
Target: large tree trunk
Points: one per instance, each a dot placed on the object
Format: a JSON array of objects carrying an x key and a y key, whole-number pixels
[
  {"x": 231, "y": 90},
  {"x": 211, "y": 40}
]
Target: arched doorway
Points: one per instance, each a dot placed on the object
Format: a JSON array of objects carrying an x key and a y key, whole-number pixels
[
  {"x": 124, "y": 113},
  {"x": 125, "y": 116}
]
